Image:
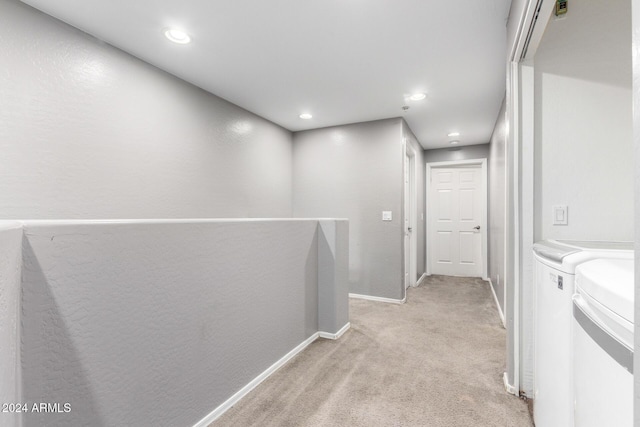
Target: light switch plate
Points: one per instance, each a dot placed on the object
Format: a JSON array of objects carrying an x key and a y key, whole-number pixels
[
  {"x": 560, "y": 215},
  {"x": 387, "y": 216}
]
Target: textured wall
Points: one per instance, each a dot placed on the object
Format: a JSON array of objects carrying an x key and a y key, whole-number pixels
[
  {"x": 88, "y": 131},
  {"x": 421, "y": 196},
  {"x": 333, "y": 275},
  {"x": 10, "y": 269},
  {"x": 583, "y": 127},
  {"x": 138, "y": 323},
  {"x": 355, "y": 172}
]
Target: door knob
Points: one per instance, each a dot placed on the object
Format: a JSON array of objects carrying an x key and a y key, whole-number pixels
[
  {"x": 477, "y": 227},
  {"x": 409, "y": 229}
]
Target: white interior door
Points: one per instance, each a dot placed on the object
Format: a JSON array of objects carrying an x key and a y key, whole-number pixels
[{"x": 457, "y": 211}]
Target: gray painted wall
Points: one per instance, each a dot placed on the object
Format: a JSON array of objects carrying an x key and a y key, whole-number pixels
[
  {"x": 497, "y": 186},
  {"x": 480, "y": 151},
  {"x": 355, "y": 172},
  {"x": 88, "y": 131},
  {"x": 421, "y": 197},
  {"x": 158, "y": 323},
  {"x": 10, "y": 274},
  {"x": 333, "y": 275},
  {"x": 583, "y": 125}
]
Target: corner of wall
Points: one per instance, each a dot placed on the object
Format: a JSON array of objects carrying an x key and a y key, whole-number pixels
[
  {"x": 333, "y": 275},
  {"x": 11, "y": 236}
]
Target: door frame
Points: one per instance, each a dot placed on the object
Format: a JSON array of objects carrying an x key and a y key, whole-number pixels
[
  {"x": 412, "y": 194},
  {"x": 483, "y": 195},
  {"x": 520, "y": 191}
]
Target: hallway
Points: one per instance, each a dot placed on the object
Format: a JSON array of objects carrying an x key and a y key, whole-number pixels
[{"x": 437, "y": 360}]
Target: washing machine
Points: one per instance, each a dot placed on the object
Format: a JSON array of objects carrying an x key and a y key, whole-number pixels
[
  {"x": 603, "y": 327},
  {"x": 554, "y": 276}
]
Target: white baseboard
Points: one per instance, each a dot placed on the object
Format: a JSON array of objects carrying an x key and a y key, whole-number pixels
[
  {"x": 495, "y": 298},
  {"x": 330, "y": 336},
  {"x": 216, "y": 413},
  {"x": 508, "y": 387},
  {"x": 379, "y": 299},
  {"x": 419, "y": 282}
]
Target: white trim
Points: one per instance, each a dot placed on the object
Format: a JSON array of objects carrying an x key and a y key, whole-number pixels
[
  {"x": 216, "y": 413},
  {"x": 484, "y": 222},
  {"x": 47, "y": 222},
  {"x": 513, "y": 230},
  {"x": 379, "y": 299},
  {"x": 424, "y": 276},
  {"x": 518, "y": 229},
  {"x": 495, "y": 298},
  {"x": 508, "y": 387},
  {"x": 330, "y": 336},
  {"x": 412, "y": 193},
  {"x": 533, "y": 23},
  {"x": 526, "y": 210}
]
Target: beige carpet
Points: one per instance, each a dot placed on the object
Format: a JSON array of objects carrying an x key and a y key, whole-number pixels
[{"x": 435, "y": 361}]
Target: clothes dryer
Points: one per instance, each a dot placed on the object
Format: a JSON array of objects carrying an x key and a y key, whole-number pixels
[
  {"x": 554, "y": 276},
  {"x": 603, "y": 327}
]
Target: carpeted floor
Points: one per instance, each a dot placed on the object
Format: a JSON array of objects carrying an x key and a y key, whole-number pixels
[{"x": 435, "y": 361}]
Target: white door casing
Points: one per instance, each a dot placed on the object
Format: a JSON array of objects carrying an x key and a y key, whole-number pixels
[
  {"x": 410, "y": 206},
  {"x": 455, "y": 221},
  {"x": 407, "y": 226},
  {"x": 457, "y": 218}
]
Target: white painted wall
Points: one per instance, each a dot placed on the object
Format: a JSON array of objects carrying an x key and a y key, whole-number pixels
[
  {"x": 88, "y": 131},
  {"x": 158, "y": 323},
  {"x": 10, "y": 275},
  {"x": 583, "y": 123},
  {"x": 355, "y": 172}
]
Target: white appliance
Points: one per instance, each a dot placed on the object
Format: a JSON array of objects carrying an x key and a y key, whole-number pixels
[
  {"x": 554, "y": 276},
  {"x": 603, "y": 343}
]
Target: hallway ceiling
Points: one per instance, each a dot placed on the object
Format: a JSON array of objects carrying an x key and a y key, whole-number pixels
[{"x": 343, "y": 61}]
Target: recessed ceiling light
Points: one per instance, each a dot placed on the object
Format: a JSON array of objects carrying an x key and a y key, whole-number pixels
[
  {"x": 177, "y": 36},
  {"x": 454, "y": 134},
  {"x": 417, "y": 96},
  {"x": 454, "y": 142},
  {"x": 305, "y": 116}
]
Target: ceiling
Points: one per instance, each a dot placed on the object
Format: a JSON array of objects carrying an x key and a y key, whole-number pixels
[{"x": 344, "y": 61}]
